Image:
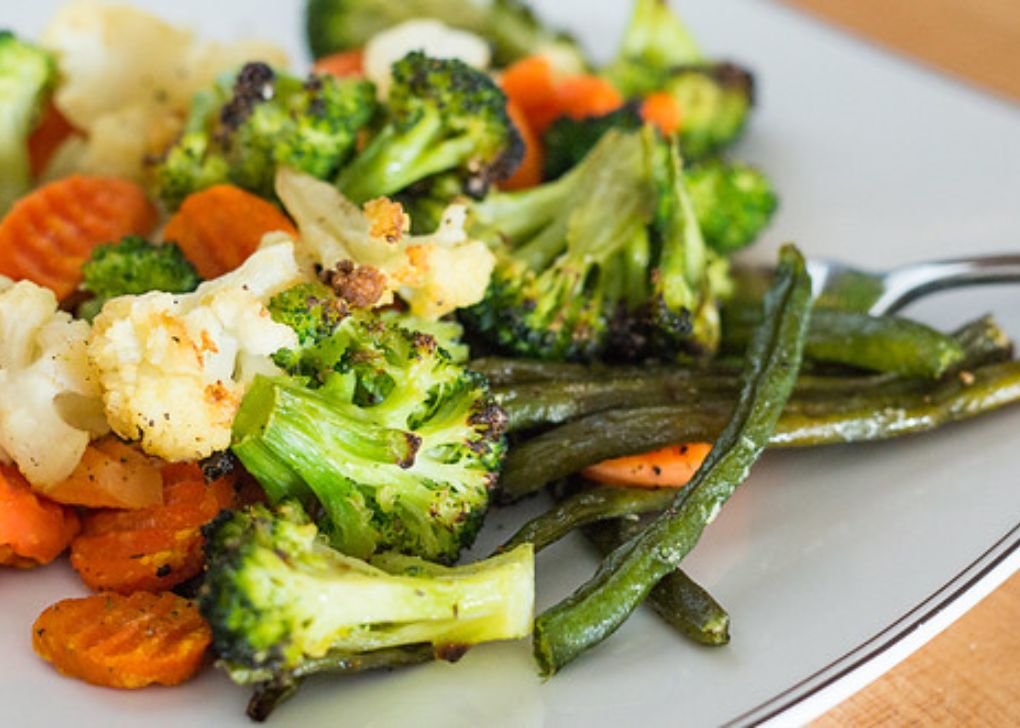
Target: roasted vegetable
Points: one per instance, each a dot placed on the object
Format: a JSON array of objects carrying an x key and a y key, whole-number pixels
[
  {"x": 280, "y": 601},
  {"x": 26, "y": 75},
  {"x": 134, "y": 266},
  {"x": 398, "y": 444},
  {"x": 444, "y": 116},
  {"x": 265, "y": 119},
  {"x": 509, "y": 25}
]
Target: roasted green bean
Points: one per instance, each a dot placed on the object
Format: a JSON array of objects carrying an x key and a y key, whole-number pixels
[
  {"x": 806, "y": 422},
  {"x": 678, "y": 600},
  {"x": 630, "y": 572}
]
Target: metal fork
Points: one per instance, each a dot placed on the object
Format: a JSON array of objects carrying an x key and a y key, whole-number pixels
[{"x": 881, "y": 293}]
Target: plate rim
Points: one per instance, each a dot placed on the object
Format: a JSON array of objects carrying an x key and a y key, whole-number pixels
[{"x": 813, "y": 695}]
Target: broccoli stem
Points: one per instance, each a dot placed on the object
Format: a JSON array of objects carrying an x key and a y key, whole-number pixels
[{"x": 284, "y": 430}]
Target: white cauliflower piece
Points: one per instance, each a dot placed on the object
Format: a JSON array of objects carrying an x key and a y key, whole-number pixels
[
  {"x": 435, "y": 274},
  {"x": 127, "y": 80},
  {"x": 432, "y": 37},
  {"x": 174, "y": 368},
  {"x": 49, "y": 395}
]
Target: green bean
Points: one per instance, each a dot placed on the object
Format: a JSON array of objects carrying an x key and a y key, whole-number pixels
[
  {"x": 875, "y": 343},
  {"x": 270, "y": 693},
  {"x": 806, "y": 422},
  {"x": 544, "y": 403},
  {"x": 678, "y": 600},
  {"x": 585, "y": 507},
  {"x": 983, "y": 342},
  {"x": 630, "y": 572}
]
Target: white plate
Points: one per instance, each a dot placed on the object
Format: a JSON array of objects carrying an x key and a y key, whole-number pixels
[{"x": 833, "y": 563}]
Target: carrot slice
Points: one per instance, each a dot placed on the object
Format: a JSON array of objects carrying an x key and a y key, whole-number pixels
[
  {"x": 49, "y": 233},
  {"x": 152, "y": 548},
  {"x": 33, "y": 530},
  {"x": 530, "y": 84},
  {"x": 219, "y": 227},
  {"x": 662, "y": 110},
  {"x": 582, "y": 96},
  {"x": 529, "y": 173},
  {"x": 345, "y": 64},
  {"x": 670, "y": 467},
  {"x": 111, "y": 474},
  {"x": 52, "y": 131},
  {"x": 123, "y": 641}
]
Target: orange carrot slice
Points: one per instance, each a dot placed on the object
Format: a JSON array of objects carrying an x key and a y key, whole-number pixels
[
  {"x": 111, "y": 474},
  {"x": 529, "y": 173},
  {"x": 52, "y": 131},
  {"x": 50, "y": 233},
  {"x": 218, "y": 228},
  {"x": 582, "y": 96},
  {"x": 33, "y": 530},
  {"x": 123, "y": 641},
  {"x": 151, "y": 548},
  {"x": 670, "y": 467},
  {"x": 662, "y": 110},
  {"x": 345, "y": 64},
  {"x": 530, "y": 84}
]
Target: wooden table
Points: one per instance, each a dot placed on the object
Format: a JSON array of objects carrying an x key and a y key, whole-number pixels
[{"x": 969, "y": 674}]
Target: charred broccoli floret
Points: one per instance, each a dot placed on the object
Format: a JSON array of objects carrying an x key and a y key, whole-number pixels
[
  {"x": 593, "y": 265},
  {"x": 734, "y": 203},
  {"x": 377, "y": 426},
  {"x": 241, "y": 131},
  {"x": 133, "y": 266},
  {"x": 26, "y": 75},
  {"x": 568, "y": 140},
  {"x": 444, "y": 116},
  {"x": 279, "y": 599},
  {"x": 509, "y": 25}
]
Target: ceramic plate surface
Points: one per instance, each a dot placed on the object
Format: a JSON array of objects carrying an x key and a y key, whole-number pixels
[{"x": 833, "y": 563}]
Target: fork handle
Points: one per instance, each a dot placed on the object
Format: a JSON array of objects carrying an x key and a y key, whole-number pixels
[{"x": 910, "y": 282}]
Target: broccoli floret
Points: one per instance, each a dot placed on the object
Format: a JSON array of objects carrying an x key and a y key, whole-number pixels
[
  {"x": 133, "y": 266},
  {"x": 715, "y": 101},
  {"x": 443, "y": 116},
  {"x": 658, "y": 54},
  {"x": 569, "y": 140},
  {"x": 655, "y": 41},
  {"x": 588, "y": 264},
  {"x": 241, "y": 131},
  {"x": 398, "y": 444},
  {"x": 278, "y": 598},
  {"x": 734, "y": 203},
  {"x": 509, "y": 25},
  {"x": 27, "y": 74}
]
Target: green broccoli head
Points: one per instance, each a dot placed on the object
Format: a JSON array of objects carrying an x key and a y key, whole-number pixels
[
  {"x": 569, "y": 140},
  {"x": 396, "y": 443},
  {"x": 278, "y": 598},
  {"x": 656, "y": 40},
  {"x": 241, "y": 132},
  {"x": 444, "y": 116},
  {"x": 509, "y": 25},
  {"x": 734, "y": 203},
  {"x": 606, "y": 262},
  {"x": 133, "y": 266},
  {"x": 715, "y": 102},
  {"x": 27, "y": 74}
]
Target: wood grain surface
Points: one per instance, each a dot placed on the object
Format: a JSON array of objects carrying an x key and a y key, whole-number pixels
[
  {"x": 975, "y": 40},
  {"x": 970, "y": 674}
]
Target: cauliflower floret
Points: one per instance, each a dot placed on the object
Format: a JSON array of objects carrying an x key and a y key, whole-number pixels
[
  {"x": 49, "y": 395},
  {"x": 127, "y": 80},
  {"x": 174, "y": 368},
  {"x": 432, "y": 37},
  {"x": 435, "y": 274}
]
